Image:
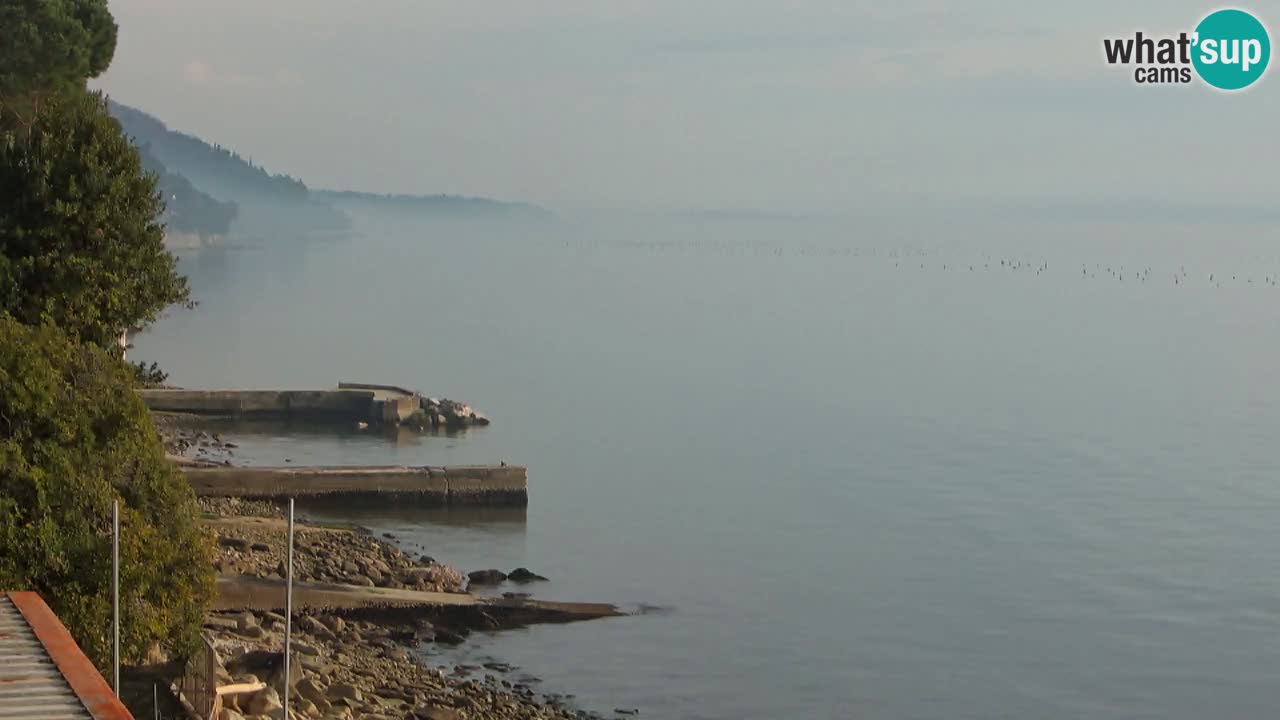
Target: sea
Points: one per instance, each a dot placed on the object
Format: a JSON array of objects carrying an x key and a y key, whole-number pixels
[{"x": 905, "y": 467}]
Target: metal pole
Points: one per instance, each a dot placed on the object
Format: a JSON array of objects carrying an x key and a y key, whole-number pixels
[
  {"x": 115, "y": 595},
  {"x": 155, "y": 700},
  {"x": 288, "y": 612}
]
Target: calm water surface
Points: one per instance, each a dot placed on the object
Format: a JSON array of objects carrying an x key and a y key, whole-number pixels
[{"x": 863, "y": 479}]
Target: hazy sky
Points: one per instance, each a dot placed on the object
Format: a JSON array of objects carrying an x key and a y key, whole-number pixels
[{"x": 805, "y": 106}]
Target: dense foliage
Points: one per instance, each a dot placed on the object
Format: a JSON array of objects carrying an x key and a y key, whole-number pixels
[
  {"x": 73, "y": 437},
  {"x": 81, "y": 259},
  {"x": 81, "y": 245},
  {"x": 48, "y": 46}
]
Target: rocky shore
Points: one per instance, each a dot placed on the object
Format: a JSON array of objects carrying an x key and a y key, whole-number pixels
[
  {"x": 256, "y": 546},
  {"x": 351, "y": 665},
  {"x": 351, "y": 668},
  {"x": 183, "y": 441}
]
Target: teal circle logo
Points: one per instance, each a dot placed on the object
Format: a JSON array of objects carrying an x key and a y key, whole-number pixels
[{"x": 1231, "y": 49}]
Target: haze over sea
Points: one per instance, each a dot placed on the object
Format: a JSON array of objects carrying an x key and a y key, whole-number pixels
[{"x": 958, "y": 469}]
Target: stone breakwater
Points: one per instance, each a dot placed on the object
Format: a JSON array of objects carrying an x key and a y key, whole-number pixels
[{"x": 444, "y": 413}]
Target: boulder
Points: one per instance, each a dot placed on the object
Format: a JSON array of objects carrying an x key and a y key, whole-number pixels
[
  {"x": 310, "y": 625},
  {"x": 234, "y": 543},
  {"x": 303, "y": 648},
  {"x": 227, "y": 713},
  {"x": 524, "y": 575},
  {"x": 487, "y": 577},
  {"x": 276, "y": 678},
  {"x": 265, "y": 702},
  {"x": 345, "y": 691},
  {"x": 308, "y": 688},
  {"x": 221, "y": 622},
  {"x": 260, "y": 547}
]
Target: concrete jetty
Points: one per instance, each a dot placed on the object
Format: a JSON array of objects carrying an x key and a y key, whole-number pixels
[
  {"x": 350, "y": 402},
  {"x": 240, "y": 592},
  {"x": 502, "y": 485}
]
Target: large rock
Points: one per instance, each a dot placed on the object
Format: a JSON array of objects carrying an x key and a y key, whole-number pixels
[
  {"x": 524, "y": 575},
  {"x": 313, "y": 691},
  {"x": 310, "y": 625},
  {"x": 346, "y": 691},
  {"x": 227, "y": 713},
  {"x": 304, "y": 648},
  {"x": 221, "y": 622},
  {"x": 246, "y": 620},
  {"x": 276, "y": 678},
  {"x": 265, "y": 702},
  {"x": 305, "y": 707},
  {"x": 487, "y": 577}
]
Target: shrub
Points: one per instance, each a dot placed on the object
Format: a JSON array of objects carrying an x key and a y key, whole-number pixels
[
  {"x": 149, "y": 376},
  {"x": 74, "y": 436}
]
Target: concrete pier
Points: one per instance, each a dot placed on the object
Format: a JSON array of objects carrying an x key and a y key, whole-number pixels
[
  {"x": 241, "y": 592},
  {"x": 348, "y": 403},
  {"x": 505, "y": 485}
]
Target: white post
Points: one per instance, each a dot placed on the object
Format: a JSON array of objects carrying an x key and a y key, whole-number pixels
[
  {"x": 115, "y": 594},
  {"x": 288, "y": 612}
]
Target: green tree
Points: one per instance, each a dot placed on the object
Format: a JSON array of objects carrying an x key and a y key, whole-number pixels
[
  {"x": 74, "y": 436},
  {"x": 47, "y": 46},
  {"x": 81, "y": 245}
]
